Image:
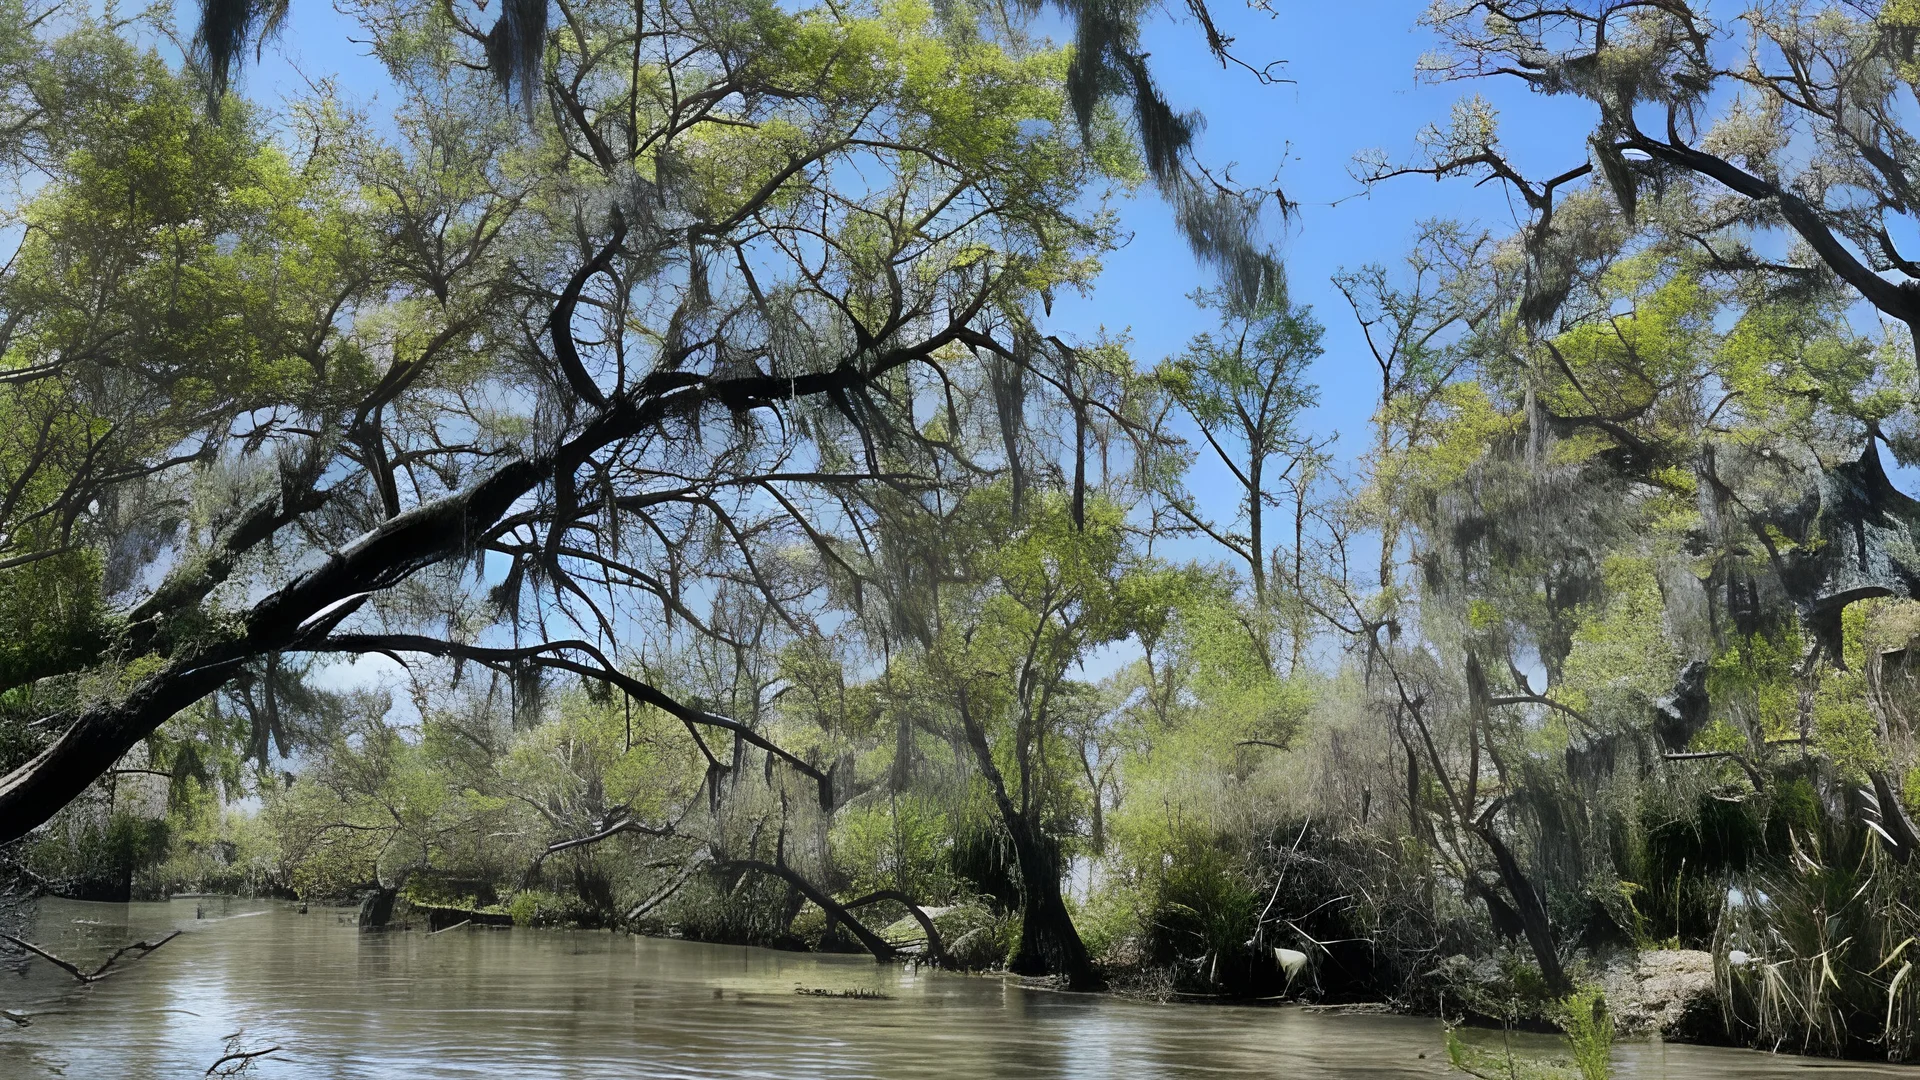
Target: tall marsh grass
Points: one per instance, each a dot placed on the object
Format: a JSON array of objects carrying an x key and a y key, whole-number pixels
[
  {"x": 1818, "y": 957},
  {"x": 1588, "y": 1026}
]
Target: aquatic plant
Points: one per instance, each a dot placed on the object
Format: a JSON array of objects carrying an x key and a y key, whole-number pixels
[
  {"x": 1818, "y": 956},
  {"x": 1504, "y": 1063},
  {"x": 1588, "y": 1025}
]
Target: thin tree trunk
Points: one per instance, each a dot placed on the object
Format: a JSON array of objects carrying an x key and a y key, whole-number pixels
[
  {"x": 1298, "y": 605},
  {"x": 1256, "y": 553}
]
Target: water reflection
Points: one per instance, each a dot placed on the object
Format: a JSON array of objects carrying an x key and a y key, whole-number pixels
[{"x": 498, "y": 1003}]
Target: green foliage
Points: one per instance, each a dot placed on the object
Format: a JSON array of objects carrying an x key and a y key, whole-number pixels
[
  {"x": 1826, "y": 943},
  {"x": 51, "y": 614},
  {"x": 1205, "y": 907},
  {"x": 1622, "y": 657},
  {"x": 903, "y": 843},
  {"x": 1845, "y": 727},
  {"x": 1502, "y": 1063},
  {"x": 1588, "y": 1025},
  {"x": 524, "y": 908},
  {"x": 1598, "y": 451},
  {"x": 213, "y": 848},
  {"x": 97, "y": 855}
]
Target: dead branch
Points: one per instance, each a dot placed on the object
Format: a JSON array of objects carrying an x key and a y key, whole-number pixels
[
  {"x": 237, "y": 1061},
  {"x": 1753, "y": 773},
  {"x": 935, "y": 949},
  {"x": 667, "y": 891},
  {"x": 98, "y": 973}
]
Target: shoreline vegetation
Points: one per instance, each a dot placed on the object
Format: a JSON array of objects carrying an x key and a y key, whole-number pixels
[
  {"x": 1587, "y": 1021},
  {"x": 629, "y": 472}
]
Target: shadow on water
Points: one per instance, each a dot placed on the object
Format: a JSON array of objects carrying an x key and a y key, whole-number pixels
[{"x": 586, "y": 1006}]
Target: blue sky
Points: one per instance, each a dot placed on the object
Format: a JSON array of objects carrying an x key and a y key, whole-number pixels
[{"x": 1353, "y": 89}]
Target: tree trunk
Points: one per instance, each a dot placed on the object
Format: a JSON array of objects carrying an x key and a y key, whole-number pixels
[
  {"x": 87, "y": 749},
  {"x": 836, "y": 912},
  {"x": 376, "y": 908},
  {"x": 1533, "y": 914},
  {"x": 1049, "y": 943},
  {"x": 936, "y": 946},
  {"x": 1099, "y": 837},
  {"x": 1256, "y": 551},
  {"x": 300, "y": 614}
]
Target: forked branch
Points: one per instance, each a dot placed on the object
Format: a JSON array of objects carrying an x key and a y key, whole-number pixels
[{"x": 101, "y": 972}]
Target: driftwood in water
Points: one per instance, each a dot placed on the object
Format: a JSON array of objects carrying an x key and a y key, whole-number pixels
[
  {"x": 101, "y": 972},
  {"x": 446, "y": 916},
  {"x": 236, "y": 1060},
  {"x": 858, "y": 994}
]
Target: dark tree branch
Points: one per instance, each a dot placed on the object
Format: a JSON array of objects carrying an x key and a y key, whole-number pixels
[{"x": 101, "y": 972}]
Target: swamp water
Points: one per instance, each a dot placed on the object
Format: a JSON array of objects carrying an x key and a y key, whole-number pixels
[{"x": 518, "y": 1005}]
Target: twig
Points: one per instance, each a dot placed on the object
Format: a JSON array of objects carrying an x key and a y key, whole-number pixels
[
  {"x": 1753, "y": 774},
  {"x": 1283, "y": 875},
  {"x": 686, "y": 871},
  {"x": 444, "y": 929},
  {"x": 244, "y": 1056}
]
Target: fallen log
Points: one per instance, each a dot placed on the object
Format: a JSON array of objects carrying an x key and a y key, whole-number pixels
[{"x": 446, "y": 916}]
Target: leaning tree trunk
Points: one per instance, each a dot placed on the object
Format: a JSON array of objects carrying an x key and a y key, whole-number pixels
[
  {"x": 301, "y": 614},
  {"x": 1533, "y": 913}
]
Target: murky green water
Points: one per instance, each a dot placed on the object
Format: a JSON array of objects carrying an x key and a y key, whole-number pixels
[{"x": 520, "y": 1004}]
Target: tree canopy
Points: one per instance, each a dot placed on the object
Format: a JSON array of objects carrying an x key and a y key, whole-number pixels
[{"x": 673, "y": 394}]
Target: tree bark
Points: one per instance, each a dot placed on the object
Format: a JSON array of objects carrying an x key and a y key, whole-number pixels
[
  {"x": 874, "y": 943},
  {"x": 1533, "y": 913},
  {"x": 1049, "y": 943},
  {"x": 936, "y": 948}
]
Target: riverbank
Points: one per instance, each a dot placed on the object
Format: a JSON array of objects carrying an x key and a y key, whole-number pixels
[
  {"x": 1662, "y": 994},
  {"x": 568, "y": 1003}
]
